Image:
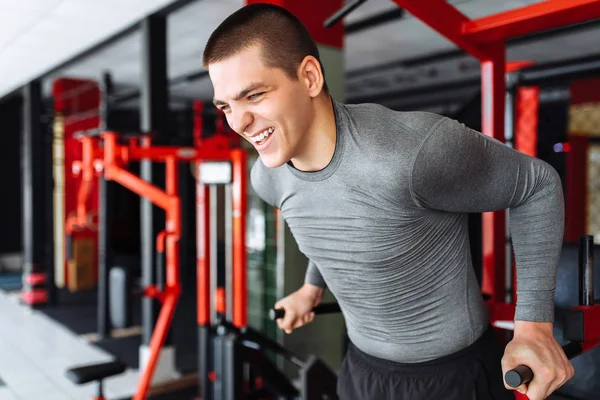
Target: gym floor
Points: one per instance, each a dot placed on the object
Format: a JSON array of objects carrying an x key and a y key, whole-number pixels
[{"x": 36, "y": 351}]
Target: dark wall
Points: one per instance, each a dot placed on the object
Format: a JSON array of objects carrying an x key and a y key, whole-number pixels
[{"x": 10, "y": 169}]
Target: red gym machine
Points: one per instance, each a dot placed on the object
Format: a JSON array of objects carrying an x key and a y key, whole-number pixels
[{"x": 212, "y": 157}]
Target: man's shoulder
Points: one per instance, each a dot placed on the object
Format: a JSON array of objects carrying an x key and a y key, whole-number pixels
[
  {"x": 387, "y": 119},
  {"x": 264, "y": 181}
]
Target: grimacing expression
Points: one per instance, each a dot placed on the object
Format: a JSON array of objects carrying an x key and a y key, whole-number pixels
[{"x": 262, "y": 104}]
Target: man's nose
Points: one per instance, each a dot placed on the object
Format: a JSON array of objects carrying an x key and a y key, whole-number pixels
[{"x": 239, "y": 120}]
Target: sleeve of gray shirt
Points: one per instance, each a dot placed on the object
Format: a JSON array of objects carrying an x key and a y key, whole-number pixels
[
  {"x": 313, "y": 276},
  {"x": 461, "y": 170}
]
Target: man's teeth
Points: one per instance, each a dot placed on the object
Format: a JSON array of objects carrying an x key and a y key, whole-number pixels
[{"x": 262, "y": 136}]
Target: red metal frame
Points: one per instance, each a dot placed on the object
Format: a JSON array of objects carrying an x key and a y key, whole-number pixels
[
  {"x": 113, "y": 158},
  {"x": 239, "y": 203},
  {"x": 238, "y": 158},
  {"x": 533, "y": 18},
  {"x": 202, "y": 252}
]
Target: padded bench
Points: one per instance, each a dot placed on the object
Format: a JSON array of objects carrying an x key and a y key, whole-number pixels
[{"x": 96, "y": 372}]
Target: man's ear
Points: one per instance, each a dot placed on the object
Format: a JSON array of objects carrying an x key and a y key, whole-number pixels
[{"x": 311, "y": 75}]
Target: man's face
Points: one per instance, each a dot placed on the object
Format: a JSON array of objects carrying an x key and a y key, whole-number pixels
[{"x": 262, "y": 104}]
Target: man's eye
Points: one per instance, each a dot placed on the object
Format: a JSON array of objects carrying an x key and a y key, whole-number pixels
[
  {"x": 255, "y": 96},
  {"x": 224, "y": 108}
]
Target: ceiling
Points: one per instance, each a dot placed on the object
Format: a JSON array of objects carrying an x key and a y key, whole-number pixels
[
  {"x": 389, "y": 63},
  {"x": 36, "y": 35}
]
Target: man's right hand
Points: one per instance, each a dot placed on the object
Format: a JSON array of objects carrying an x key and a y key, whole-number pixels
[{"x": 299, "y": 306}]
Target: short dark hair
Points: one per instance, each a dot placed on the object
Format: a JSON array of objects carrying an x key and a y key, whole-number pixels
[{"x": 283, "y": 39}]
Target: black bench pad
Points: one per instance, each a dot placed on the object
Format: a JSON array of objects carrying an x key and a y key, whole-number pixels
[{"x": 95, "y": 372}]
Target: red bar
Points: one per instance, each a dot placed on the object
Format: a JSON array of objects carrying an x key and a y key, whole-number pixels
[
  {"x": 138, "y": 186},
  {"x": 446, "y": 20},
  {"x": 533, "y": 18},
  {"x": 203, "y": 250},
  {"x": 512, "y": 66},
  {"x": 163, "y": 153},
  {"x": 160, "y": 241},
  {"x": 240, "y": 286},
  {"x": 156, "y": 342},
  {"x": 171, "y": 173},
  {"x": 526, "y": 132},
  {"x": 173, "y": 261}
]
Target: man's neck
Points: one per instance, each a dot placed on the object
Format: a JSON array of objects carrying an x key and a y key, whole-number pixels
[{"x": 319, "y": 143}]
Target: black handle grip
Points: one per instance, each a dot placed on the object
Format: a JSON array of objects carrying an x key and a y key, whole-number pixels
[
  {"x": 518, "y": 376},
  {"x": 325, "y": 308}
]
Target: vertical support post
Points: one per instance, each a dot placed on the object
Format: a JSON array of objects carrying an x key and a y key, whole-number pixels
[
  {"x": 239, "y": 200},
  {"x": 34, "y": 277},
  {"x": 213, "y": 207},
  {"x": 154, "y": 117},
  {"x": 228, "y": 252},
  {"x": 105, "y": 209},
  {"x": 49, "y": 211},
  {"x": 203, "y": 284},
  {"x": 493, "y": 71},
  {"x": 586, "y": 271}
]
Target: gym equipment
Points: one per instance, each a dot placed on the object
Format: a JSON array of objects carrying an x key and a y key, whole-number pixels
[
  {"x": 236, "y": 350},
  {"x": 581, "y": 323},
  {"x": 111, "y": 160},
  {"x": 325, "y": 308},
  {"x": 233, "y": 361},
  {"x": 120, "y": 297},
  {"x": 96, "y": 372}
]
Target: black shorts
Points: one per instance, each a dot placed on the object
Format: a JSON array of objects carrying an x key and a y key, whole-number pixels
[{"x": 474, "y": 373}]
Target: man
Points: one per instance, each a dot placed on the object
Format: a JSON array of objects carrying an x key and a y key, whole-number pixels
[{"x": 378, "y": 202}]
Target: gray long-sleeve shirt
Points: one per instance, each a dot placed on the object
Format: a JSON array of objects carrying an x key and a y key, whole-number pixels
[{"x": 384, "y": 226}]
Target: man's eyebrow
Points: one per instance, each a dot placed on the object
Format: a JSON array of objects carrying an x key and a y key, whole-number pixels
[{"x": 240, "y": 95}]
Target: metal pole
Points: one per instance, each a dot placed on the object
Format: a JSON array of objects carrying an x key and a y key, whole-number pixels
[{"x": 586, "y": 271}]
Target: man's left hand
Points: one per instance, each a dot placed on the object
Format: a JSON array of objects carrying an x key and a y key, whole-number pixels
[{"x": 534, "y": 345}]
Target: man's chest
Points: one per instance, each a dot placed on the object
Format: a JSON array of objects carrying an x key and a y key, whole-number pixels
[{"x": 347, "y": 220}]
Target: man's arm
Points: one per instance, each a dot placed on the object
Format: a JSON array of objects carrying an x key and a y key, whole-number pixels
[{"x": 461, "y": 170}]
